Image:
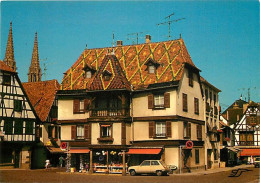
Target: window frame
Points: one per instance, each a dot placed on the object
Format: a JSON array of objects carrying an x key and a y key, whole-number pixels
[
  {"x": 186, "y": 129},
  {"x": 197, "y": 156},
  {"x": 151, "y": 69},
  {"x": 184, "y": 102},
  {"x": 196, "y": 106},
  {"x": 7, "y": 79},
  {"x": 80, "y": 133},
  {"x": 162, "y": 126},
  {"x": 109, "y": 132},
  {"x": 158, "y": 98},
  {"x": 191, "y": 79}
]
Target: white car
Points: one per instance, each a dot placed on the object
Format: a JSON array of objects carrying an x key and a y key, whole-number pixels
[{"x": 150, "y": 167}]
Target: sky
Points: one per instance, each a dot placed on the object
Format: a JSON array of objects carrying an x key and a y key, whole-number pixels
[{"x": 222, "y": 37}]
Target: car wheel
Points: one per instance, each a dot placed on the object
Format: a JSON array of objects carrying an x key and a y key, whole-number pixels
[
  {"x": 132, "y": 172},
  {"x": 159, "y": 173}
]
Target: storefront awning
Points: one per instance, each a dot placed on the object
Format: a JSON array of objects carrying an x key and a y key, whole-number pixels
[
  {"x": 250, "y": 152},
  {"x": 144, "y": 151},
  {"x": 79, "y": 151},
  {"x": 55, "y": 150}
]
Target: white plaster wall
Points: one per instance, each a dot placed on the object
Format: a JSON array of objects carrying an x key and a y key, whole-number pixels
[
  {"x": 172, "y": 156},
  {"x": 66, "y": 132},
  {"x": 95, "y": 133},
  {"x": 117, "y": 132}
]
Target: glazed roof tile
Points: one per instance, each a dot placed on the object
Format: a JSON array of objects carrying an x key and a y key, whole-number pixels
[
  {"x": 171, "y": 55},
  {"x": 41, "y": 95}
]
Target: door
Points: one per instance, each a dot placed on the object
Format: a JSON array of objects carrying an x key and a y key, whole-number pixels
[{"x": 16, "y": 159}]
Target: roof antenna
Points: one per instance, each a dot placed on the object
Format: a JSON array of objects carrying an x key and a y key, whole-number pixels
[
  {"x": 86, "y": 45},
  {"x": 113, "y": 52}
]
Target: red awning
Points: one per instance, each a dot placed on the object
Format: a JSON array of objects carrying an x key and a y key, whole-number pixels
[
  {"x": 144, "y": 151},
  {"x": 79, "y": 151},
  {"x": 250, "y": 152}
]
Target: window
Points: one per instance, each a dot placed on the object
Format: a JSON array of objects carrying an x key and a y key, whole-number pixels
[
  {"x": 210, "y": 96},
  {"x": 88, "y": 74},
  {"x": 185, "y": 102},
  {"x": 187, "y": 129},
  {"x": 215, "y": 99},
  {"x": 155, "y": 163},
  {"x": 246, "y": 138},
  {"x": 80, "y": 132},
  {"x": 105, "y": 131},
  {"x": 197, "y": 156},
  {"x": 81, "y": 106},
  {"x": 215, "y": 154},
  {"x": 190, "y": 75},
  {"x": 18, "y": 127},
  {"x": 159, "y": 101},
  {"x": 206, "y": 94},
  {"x": 6, "y": 79},
  {"x": 29, "y": 128},
  {"x": 196, "y": 105},
  {"x": 151, "y": 69},
  {"x": 199, "y": 131},
  {"x": 50, "y": 132},
  {"x": 146, "y": 163},
  {"x": 18, "y": 105},
  {"x": 8, "y": 127},
  {"x": 160, "y": 129}
]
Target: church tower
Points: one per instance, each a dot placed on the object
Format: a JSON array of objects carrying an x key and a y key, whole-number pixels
[
  {"x": 9, "y": 53},
  {"x": 35, "y": 74}
]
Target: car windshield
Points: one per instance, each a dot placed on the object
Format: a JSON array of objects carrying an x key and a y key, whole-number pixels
[{"x": 163, "y": 164}]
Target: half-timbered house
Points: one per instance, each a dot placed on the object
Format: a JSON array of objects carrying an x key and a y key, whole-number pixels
[
  {"x": 145, "y": 99},
  {"x": 247, "y": 132},
  {"x": 18, "y": 121}
]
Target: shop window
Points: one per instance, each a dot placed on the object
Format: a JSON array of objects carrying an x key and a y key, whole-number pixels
[
  {"x": 160, "y": 129},
  {"x": 8, "y": 127},
  {"x": 185, "y": 102},
  {"x": 197, "y": 156},
  {"x": 6, "y": 79},
  {"x": 196, "y": 105},
  {"x": 105, "y": 131},
  {"x": 187, "y": 129},
  {"x": 80, "y": 132},
  {"x": 18, "y": 105},
  {"x": 18, "y": 127}
]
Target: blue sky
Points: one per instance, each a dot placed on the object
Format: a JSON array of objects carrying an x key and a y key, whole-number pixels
[{"x": 222, "y": 37}]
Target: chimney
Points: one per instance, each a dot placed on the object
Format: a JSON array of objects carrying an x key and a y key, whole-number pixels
[
  {"x": 119, "y": 43},
  {"x": 147, "y": 38}
]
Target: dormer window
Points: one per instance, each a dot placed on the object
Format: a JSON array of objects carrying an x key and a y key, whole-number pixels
[
  {"x": 89, "y": 71},
  {"x": 106, "y": 75},
  {"x": 151, "y": 66}
]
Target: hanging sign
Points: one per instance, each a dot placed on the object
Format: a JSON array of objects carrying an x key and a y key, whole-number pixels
[
  {"x": 189, "y": 144},
  {"x": 63, "y": 145}
]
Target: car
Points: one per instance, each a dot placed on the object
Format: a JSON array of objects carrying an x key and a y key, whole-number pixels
[
  {"x": 257, "y": 162},
  {"x": 150, "y": 167}
]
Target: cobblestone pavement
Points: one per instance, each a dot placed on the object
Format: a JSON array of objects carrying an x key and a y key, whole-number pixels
[{"x": 59, "y": 175}]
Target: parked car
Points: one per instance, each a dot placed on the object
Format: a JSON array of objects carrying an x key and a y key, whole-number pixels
[
  {"x": 257, "y": 162},
  {"x": 149, "y": 167}
]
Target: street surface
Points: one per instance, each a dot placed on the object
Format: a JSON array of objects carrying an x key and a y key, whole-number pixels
[{"x": 58, "y": 175}]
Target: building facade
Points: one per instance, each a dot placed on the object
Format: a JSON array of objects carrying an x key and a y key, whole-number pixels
[
  {"x": 145, "y": 99},
  {"x": 18, "y": 121}
]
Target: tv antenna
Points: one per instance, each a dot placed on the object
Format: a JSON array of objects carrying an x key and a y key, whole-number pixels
[
  {"x": 45, "y": 67},
  {"x": 133, "y": 34},
  {"x": 248, "y": 91},
  {"x": 169, "y": 23}
]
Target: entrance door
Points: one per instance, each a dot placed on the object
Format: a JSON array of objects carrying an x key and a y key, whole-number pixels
[
  {"x": 209, "y": 162},
  {"x": 16, "y": 159}
]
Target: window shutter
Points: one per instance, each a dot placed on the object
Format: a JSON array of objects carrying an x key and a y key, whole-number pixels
[
  {"x": 123, "y": 134},
  {"x": 168, "y": 128},
  {"x": 189, "y": 129},
  {"x": 184, "y": 102},
  {"x": 151, "y": 129},
  {"x": 167, "y": 100},
  {"x": 73, "y": 132},
  {"x": 150, "y": 101},
  {"x": 199, "y": 131},
  {"x": 87, "y": 131},
  {"x": 76, "y": 106},
  {"x": 86, "y": 105}
]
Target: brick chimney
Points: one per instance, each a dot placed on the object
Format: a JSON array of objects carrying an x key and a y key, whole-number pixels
[
  {"x": 148, "y": 38},
  {"x": 119, "y": 43}
]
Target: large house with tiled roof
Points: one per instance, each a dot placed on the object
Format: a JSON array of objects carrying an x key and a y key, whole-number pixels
[
  {"x": 144, "y": 99},
  {"x": 18, "y": 121},
  {"x": 42, "y": 95}
]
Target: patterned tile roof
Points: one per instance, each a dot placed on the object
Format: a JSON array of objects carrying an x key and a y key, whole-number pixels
[
  {"x": 5, "y": 67},
  {"x": 170, "y": 55},
  {"x": 41, "y": 95}
]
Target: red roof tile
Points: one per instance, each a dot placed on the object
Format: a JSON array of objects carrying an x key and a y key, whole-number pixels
[
  {"x": 41, "y": 95},
  {"x": 5, "y": 67},
  {"x": 170, "y": 55}
]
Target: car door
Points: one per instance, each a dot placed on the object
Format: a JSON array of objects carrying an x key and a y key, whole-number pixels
[
  {"x": 155, "y": 165},
  {"x": 145, "y": 167}
]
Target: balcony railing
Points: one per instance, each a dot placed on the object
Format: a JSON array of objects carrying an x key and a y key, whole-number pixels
[{"x": 104, "y": 112}]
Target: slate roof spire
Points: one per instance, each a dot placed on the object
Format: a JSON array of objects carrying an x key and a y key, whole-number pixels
[
  {"x": 9, "y": 53},
  {"x": 34, "y": 74}
]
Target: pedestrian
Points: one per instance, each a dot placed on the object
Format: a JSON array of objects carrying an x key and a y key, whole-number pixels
[
  {"x": 47, "y": 164},
  {"x": 251, "y": 160},
  {"x": 61, "y": 161}
]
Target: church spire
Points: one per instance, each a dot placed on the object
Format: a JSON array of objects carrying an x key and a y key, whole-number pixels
[
  {"x": 35, "y": 74},
  {"x": 9, "y": 53}
]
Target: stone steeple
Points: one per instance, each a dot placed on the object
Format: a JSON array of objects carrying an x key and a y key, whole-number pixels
[
  {"x": 35, "y": 72},
  {"x": 9, "y": 53}
]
